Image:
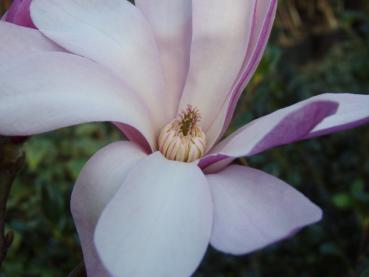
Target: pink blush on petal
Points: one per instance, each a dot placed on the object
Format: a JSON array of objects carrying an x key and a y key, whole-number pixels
[{"x": 19, "y": 14}]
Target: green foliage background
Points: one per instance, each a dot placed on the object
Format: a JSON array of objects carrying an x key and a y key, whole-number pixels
[{"x": 305, "y": 60}]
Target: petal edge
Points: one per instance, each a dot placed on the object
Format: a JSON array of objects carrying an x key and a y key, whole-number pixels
[
  {"x": 158, "y": 223},
  {"x": 253, "y": 209}
]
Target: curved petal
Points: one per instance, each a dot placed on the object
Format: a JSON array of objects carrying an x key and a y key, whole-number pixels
[
  {"x": 353, "y": 111},
  {"x": 281, "y": 127},
  {"x": 134, "y": 135},
  {"x": 158, "y": 223},
  {"x": 221, "y": 32},
  {"x": 113, "y": 33},
  {"x": 253, "y": 209},
  {"x": 318, "y": 115},
  {"x": 19, "y": 14},
  {"x": 264, "y": 15},
  {"x": 171, "y": 21},
  {"x": 99, "y": 180},
  {"x": 43, "y": 92},
  {"x": 214, "y": 163},
  {"x": 22, "y": 41}
]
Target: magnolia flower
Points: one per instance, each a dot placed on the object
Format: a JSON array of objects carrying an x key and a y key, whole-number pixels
[{"x": 168, "y": 74}]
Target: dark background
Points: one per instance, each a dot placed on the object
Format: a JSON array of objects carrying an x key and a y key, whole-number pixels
[{"x": 316, "y": 46}]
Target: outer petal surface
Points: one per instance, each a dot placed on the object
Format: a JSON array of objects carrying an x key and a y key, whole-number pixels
[
  {"x": 253, "y": 209},
  {"x": 43, "y": 92},
  {"x": 171, "y": 22},
  {"x": 19, "y": 14},
  {"x": 318, "y": 115},
  {"x": 263, "y": 19},
  {"x": 18, "y": 41},
  {"x": 352, "y": 112},
  {"x": 99, "y": 180},
  {"x": 158, "y": 223},
  {"x": 113, "y": 33},
  {"x": 221, "y": 32}
]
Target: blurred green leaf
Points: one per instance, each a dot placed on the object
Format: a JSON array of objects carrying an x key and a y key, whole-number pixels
[{"x": 342, "y": 201}]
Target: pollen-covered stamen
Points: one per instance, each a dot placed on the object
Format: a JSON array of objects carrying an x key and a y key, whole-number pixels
[
  {"x": 182, "y": 139},
  {"x": 188, "y": 119}
]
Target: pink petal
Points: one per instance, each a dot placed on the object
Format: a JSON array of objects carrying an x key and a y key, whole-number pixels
[
  {"x": 19, "y": 41},
  {"x": 214, "y": 163},
  {"x": 319, "y": 115},
  {"x": 263, "y": 21},
  {"x": 158, "y": 223},
  {"x": 134, "y": 135},
  {"x": 19, "y": 14},
  {"x": 43, "y": 92},
  {"x": 113, "y": 33},
  {"x": 352, "y": 112},
  {"x": 221, "y": 33},
  {"x": 171, "y": 22},
  {"x": 99, "y": 180},
  {"x": 253, "y": 209},
  {"x": 281, "y": 127}
]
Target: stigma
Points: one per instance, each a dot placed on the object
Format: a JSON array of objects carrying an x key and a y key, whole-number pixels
[{"x": 182, "y": 139}]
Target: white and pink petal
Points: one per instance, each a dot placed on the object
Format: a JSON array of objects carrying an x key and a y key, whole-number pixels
[
  {"x": 253, "y": 209},
  {"x": 18, "y": 41},
  {"x": 263, "y": 19},
  {"x": 264, "y": 16},
  {"x": 220, "y": 35},
  {"x": 98, "y": 182},
  {"x": 319, "y": 115},
  {"x": 47, "y": 91},
  {"x": 353, "y": 111},
  {"x": 114, "y": 33},
  {"x": 158, "y": 223},
  {"x": 171, "y": 23}
]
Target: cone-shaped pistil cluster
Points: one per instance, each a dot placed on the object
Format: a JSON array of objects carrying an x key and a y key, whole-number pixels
[{"x": 182, "y": 139}]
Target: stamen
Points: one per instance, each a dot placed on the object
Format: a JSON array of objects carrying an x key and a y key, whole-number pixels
[
  {"x": 189, "y": 118},
  {"x": 182, "y": 139}
]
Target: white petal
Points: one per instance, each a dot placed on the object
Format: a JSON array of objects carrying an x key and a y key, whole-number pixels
[
  {"x": 353, "y": 111},
  {"x": 17, "y": 41},
  {"x": 264, "y": 15},
  {"x": 318, "y": 115},
  {"x": 44, "y": 92},
  {"x": 253, "y": 209},
  {"x": 221, "y": 31},
  {"x": 99, "y": 180},
  {"x": 171, "y": 22},
  {"x": 113, "y": 33},
  {"x": 159, "y": 222}
]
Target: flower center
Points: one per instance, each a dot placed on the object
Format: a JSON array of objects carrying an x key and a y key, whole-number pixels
[{"x": 182, "y": 139}]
